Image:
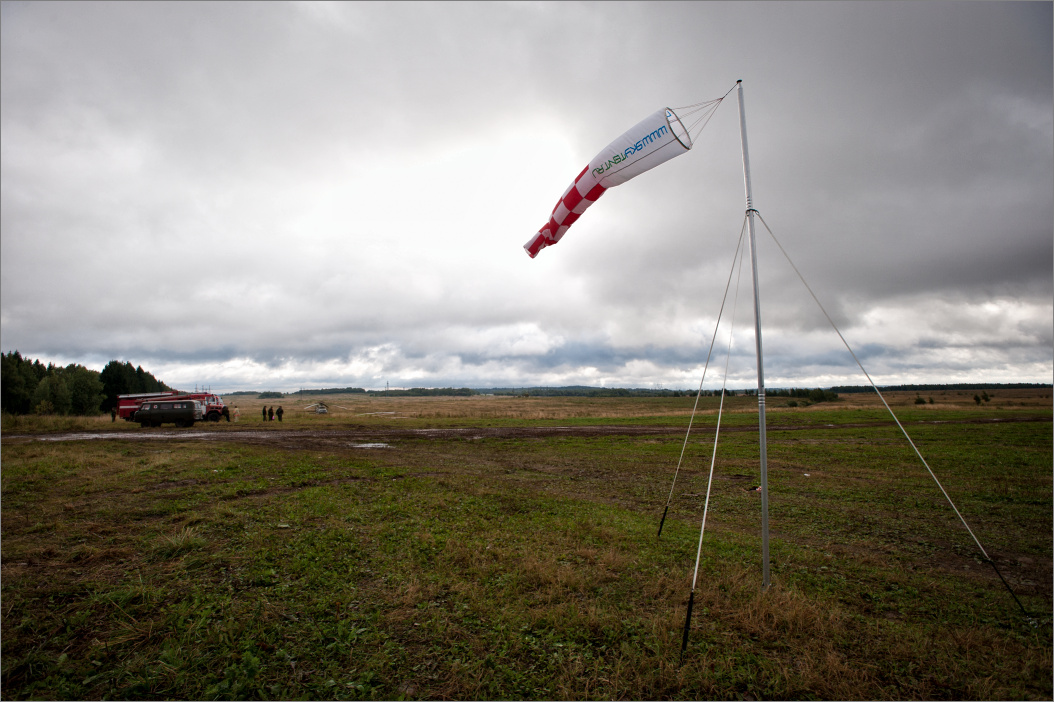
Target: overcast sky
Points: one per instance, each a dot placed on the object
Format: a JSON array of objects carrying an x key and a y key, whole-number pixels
[{"x": 274, "y": 196}]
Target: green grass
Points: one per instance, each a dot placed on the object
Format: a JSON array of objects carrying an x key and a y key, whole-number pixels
[{"x": 528, "y": 568}]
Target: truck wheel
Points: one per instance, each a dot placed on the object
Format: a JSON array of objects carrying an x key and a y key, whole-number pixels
[
  {"x": 144, "y": 425},
  {"x": 214, "y": 416}
]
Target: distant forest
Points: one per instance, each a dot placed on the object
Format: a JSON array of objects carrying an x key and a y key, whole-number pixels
[
  {"x": 811, "y": 394},
  {"x": 934, "y": 387},
  {"x": 30, "y": 387},
  {"x": 815, "y": 394},
  {"x": 589, "y": 391}
]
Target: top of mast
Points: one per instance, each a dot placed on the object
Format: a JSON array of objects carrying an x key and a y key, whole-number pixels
[{"x": 746, "y": 156}]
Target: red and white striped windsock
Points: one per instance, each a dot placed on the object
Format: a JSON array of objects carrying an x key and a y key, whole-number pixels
[{"x": 655, "y": 140}]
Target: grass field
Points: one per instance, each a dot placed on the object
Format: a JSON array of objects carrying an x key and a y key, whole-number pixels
[{"x": 491, "y": 558}]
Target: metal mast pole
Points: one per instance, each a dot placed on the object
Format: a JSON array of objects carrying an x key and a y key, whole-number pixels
[{"x": 762, "y": 438}]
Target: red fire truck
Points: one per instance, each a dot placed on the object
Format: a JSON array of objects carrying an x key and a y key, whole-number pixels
[{"x": 212, "y": 405}]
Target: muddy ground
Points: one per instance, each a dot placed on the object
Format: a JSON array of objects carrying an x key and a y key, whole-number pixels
[
  {"x": 580, "y": 479},
  {"x": 295, "y": 438}
]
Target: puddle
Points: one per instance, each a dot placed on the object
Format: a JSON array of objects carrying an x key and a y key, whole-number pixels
[
  {"x": 370, "y": 446},
  {"x": 124, "y": 436}
]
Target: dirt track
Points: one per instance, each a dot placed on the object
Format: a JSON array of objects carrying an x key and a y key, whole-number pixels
[{"x": 299, "y": 438}]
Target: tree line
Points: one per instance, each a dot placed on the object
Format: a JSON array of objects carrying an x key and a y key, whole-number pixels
[
  {"x": 811, "y": 394},
  {"x": 590, "y": 391},
  {"x": 944, "y": 386},
  {"x": 30, "y": 387},
  {"x": 411, "y": 392}
]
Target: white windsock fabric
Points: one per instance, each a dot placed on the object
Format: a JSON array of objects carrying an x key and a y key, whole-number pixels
[{"x": 654, "y": 140}]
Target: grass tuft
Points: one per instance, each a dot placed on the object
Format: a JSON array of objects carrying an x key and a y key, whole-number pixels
[{"x": 180, "y": 543}]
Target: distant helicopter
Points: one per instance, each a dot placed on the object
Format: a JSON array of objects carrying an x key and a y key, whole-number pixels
[{"x": 322, "y": 407}]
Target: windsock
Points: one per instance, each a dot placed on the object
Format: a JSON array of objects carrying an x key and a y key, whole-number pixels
[{"x": 654, "y": 140}]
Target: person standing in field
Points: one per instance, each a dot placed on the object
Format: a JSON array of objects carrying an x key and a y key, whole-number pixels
[
  {"x": 278, "y": 412},
  {"x": 264, "y": 410},
  {"x": 237, "y": 414},
  {"x": 270, "y": 414}
]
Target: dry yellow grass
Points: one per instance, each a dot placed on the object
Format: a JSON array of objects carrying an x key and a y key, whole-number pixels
[{"x": 376, "y": 407}]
